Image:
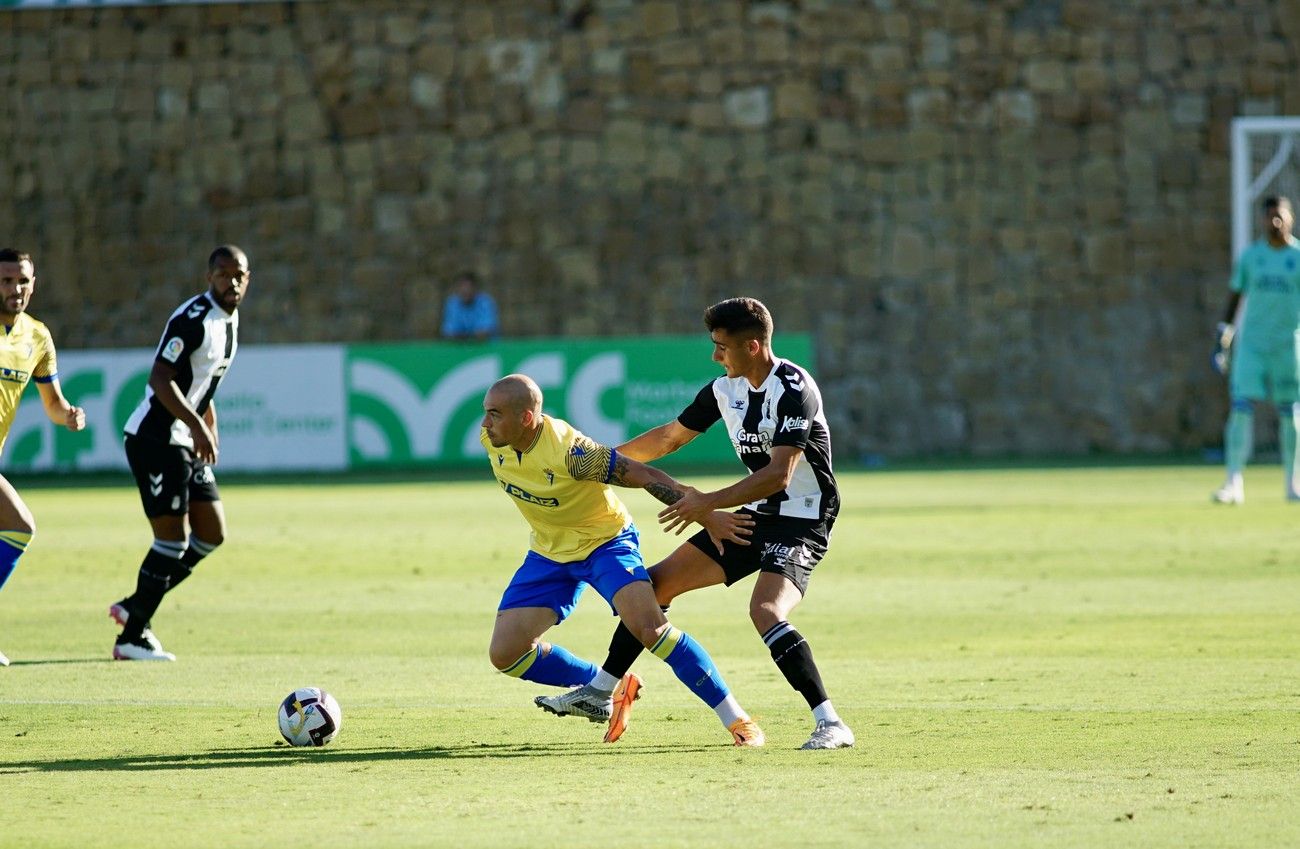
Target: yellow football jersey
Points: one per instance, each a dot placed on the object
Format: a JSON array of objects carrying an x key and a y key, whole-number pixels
[
  {"x": 26, "y": 353},
  {"x": 560, "y": 486}
]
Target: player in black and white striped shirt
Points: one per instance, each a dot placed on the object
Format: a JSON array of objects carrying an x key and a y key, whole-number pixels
[
  {"x": 171, "y": 446},
  {"x": 774, "y": 417}
]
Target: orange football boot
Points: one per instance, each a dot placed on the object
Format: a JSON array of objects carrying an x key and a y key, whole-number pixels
[
  {"x": 620, "y": 711},
  {"x": 745, "y": 732}
]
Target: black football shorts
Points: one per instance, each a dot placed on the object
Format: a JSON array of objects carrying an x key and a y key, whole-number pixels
[
  {"x": 169, "y": 477},
  {"x": 786, "y": 546}
]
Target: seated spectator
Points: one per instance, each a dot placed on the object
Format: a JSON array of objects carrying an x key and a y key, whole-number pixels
[{"x": 470, "y": 314}]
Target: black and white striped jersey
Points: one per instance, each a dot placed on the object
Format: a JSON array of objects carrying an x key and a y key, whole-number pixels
[
  {"x": 199, "y": 341},
  {"x": 785, "y": 410}
]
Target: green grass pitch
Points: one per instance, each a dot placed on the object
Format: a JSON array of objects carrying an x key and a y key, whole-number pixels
[{"x": 1030, "y": 657}]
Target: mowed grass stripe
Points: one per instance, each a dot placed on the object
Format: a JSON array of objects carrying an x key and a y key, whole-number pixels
[{"x": 1030, "y": 657}]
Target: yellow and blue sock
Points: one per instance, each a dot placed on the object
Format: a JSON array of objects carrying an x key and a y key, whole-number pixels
[
  {"x": 692, "y": 665},
  {"x": 557, "y": 667},
  {"x": 12, "y": 546},
  {"x": 624, "y": 649}
]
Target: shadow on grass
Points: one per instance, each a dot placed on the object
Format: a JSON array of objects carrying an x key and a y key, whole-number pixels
[
  {"x": 100, "y": 659},
  {"x": 278, "y": 756}
]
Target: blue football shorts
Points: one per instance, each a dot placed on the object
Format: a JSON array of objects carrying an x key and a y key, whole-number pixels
[{"x": 542, "y": 582}]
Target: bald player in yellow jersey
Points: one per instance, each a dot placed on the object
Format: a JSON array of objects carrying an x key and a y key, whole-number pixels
[
  {"x": 26, "y": 354},
  {"x": 583, "y": 535}
]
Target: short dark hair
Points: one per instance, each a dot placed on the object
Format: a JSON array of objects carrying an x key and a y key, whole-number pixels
[
  {"x": 15, "y": 255},
  {"x": 224, "y": 252},
  {"x": 1275, "y": 202},
  {"x": 466, "y": 275},
  {"x": 740, "y": 317}
]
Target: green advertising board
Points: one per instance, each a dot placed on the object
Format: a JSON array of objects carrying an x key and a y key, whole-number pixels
[
  {"x": 337, "y": 407},
  {"x": 414, "y": 405}
]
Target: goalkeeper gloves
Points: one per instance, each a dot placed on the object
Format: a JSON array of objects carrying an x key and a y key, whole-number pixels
[{"x": 1223, "y": 334}]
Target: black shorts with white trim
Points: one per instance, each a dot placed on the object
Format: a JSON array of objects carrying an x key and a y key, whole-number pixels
[
  {"x": 168, "y": 476},
  {"x": 780, "y": 544}
]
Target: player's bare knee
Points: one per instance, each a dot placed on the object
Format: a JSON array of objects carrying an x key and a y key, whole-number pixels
[
  {"x": 24, "y": 523},
  {"x": 649, "y": 633},
  {"x": 764, "y": 614},
  {"x": 499, "y": 656},
  {"x": 506, "y": 654}
]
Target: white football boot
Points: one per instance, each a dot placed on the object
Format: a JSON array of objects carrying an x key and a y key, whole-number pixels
[
  {"x": 4, "y": 661},
  {"x": 121, "y": 614},
  {"x": 830, "y": 735},
  {"x": 1232, "y": 492},
  {"x": 141, "y": 650},
  {"x": 584, "y": 701}
]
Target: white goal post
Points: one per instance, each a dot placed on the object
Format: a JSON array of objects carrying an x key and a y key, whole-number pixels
[{"x": 1265, "y": 161}]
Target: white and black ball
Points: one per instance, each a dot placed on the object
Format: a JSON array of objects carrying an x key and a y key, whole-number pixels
[{"x": 309, "y": 717}]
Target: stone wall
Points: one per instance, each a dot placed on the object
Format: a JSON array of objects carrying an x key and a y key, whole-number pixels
[{"x": 1006, "y": 222}]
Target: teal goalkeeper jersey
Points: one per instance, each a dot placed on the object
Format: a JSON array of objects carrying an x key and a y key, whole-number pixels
[{"x": 1269, "y": 279}]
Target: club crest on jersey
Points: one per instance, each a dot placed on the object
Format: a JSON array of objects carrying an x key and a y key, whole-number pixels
[
  {"x": 790, "y": 423},
  {"x": 550, "y": 476},
  {"x": 172, "y": 351},
  {"x": 738, "y": 404},
  {"x": 524, "y": 495}
]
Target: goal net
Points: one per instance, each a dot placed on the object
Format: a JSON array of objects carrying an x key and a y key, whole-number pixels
[{"x": 1265, "y": 161}]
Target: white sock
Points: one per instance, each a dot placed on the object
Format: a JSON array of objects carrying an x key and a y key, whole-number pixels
[
  {"x": 729, "y": 710},
  {"x": 603, "y": 682},
  {"x": 825, "y": 712}
]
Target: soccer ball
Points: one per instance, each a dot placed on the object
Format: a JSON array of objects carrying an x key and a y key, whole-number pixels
[{"x": 309, "y": 717}]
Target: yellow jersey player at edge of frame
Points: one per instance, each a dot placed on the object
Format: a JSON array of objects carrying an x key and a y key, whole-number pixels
[{"x": 26, "y": 355}]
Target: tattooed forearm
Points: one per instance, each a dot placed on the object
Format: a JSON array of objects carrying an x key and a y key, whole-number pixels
[
  {"x": 618, "y": 476},
  {"x": 665, "y": 490},
  {"x": 665, "y": 493}
]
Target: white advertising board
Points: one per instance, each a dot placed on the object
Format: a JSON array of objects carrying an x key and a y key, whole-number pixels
[{"x": 278, "y": 408}]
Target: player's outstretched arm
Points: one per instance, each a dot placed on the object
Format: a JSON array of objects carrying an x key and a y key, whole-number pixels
[
  {"x": 772, "y": 478},
  {"x": 637, "y": 475},
  {"x": 721, "y": 526},
  {"x": 657, "y": 442},
  {"x": 59, "y": 409}
]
